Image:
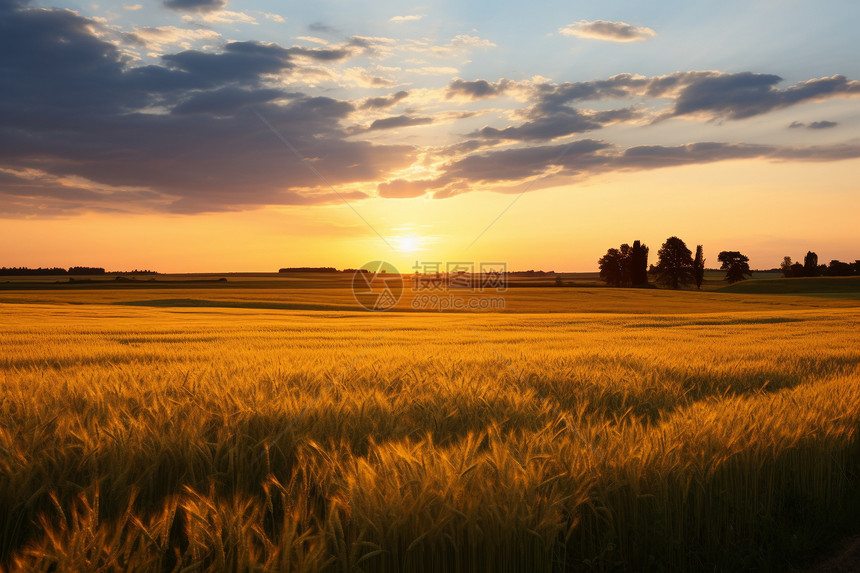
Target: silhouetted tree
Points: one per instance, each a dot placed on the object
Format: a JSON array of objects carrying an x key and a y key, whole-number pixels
[
  {"x": 810, "y": 264},
  {"x": 626, "y": 267},
  {"x": 797, "y": 270},
  {"x": 785, "y": 266},
  {"x": 86, "y": 271},
  {"x": 639, "y": 264},
  {"x": 699, "y": 267},
  {"x": 612, "y": 266},
  {"x": 839, "y": 269},
  {"x": 674, "y": 263},
  {"x": 735, "y": 264}
]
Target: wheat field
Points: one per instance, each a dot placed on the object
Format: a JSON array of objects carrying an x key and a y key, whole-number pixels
[{"x": 182, "y": 439}]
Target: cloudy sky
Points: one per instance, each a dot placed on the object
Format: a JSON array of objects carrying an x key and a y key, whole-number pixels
[{"x": 193, "y": 135}]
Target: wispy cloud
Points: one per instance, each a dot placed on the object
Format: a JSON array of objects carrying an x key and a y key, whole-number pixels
[
  {"x": 610, "y": 31},
  {"x": 313, "y": 39},
  {"x": 468, "y": 41},
  {"x": 409, "y": 18},
  {"x": 161, "y": 36},
  {"x": 322, "y": 27},
  {"x": 274, "y": 17},
  {"x": 221, "y": 17},
  {"x": 814, "y": 125},
  {"x": 434, "y": 71}
]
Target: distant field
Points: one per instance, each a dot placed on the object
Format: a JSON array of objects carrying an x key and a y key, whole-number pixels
[
  {"x": 844, "y": 287},
  {"x": 647, "y": 430},
  {"x": 580, "y": 293}
]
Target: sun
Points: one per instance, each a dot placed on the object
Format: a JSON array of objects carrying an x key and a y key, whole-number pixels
[{"x": 408, "y": 243}]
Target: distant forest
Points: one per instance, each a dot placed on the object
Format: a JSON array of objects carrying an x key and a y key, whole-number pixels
[
  {"x": 811, "y": 268},
  {"x": 26, "y": 271},
  {"x": 308, "y": 270}
]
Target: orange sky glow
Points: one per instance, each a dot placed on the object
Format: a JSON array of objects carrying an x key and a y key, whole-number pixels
[{"x": 197, "y": 136}]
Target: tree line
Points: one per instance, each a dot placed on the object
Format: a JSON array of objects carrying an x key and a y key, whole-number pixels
[
  {"x": 676, "y": 266},
  {"x": 811, "y": 268},
  {"x": 309, "y": 270},
  {"x": 27, "y": 271}
]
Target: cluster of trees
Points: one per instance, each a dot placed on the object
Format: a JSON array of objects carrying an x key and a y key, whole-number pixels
[
  {"x": 135, "y": 272},
  {"x": 530, "y": 273},
  {"x": 625, "y": 266},
  {"x": 676, "y": 266},
  {"x": 811, "y": 268},
  {"x": 309, "y": 270}
]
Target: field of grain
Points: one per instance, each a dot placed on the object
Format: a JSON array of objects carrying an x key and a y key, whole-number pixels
[{"x": 207, "y": 439}]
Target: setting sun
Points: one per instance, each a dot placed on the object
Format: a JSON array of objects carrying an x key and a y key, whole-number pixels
[{"x": 409, "y": 244}]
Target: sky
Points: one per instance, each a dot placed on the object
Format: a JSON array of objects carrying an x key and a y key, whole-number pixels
[{"x": 217, "y": 135}]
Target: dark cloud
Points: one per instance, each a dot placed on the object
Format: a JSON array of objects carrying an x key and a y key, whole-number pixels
[
  {"x": 611, "y": 116},
  {"x": 621, "y": 86},
  {"x": 554, "y": 123},
  {"x": 77, "y": 126},
  {"x": 822, "y": 124},
  {"x": 551, "y": 127},
  {"x": 9, "y": 5},
  {"x": 837, "y": 152},
  {"x": 383, "y": 102},
  {"x": 552, "y": 112},
  {"x": 477, "y": 89},
  {"x": 196, "y": 163},
  {"x": 47, "y": 195},
  {"x": 814, "y": 125},
  {"x": 50, "y": 62},
  {"x": 745, "y": 94},
  {"x": 734, "y": 96},
  {"x": 645, "y": 157},
  {"x": 240, "y": 61},
  {"x": 195, "y": 5},
  {"x": 586, "y": 158},
  {"x": 399, "y": 121},
  {"x": 713, "y": 94},
  {"x": 227, "y": 100},
  {"x": 522, "y": 163},
  {"x": 320, "y": 54},
  {"x": 245, "y": 61}
]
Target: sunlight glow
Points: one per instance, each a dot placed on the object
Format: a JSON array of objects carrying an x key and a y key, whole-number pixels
[{"x": 409, "y": 243}]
